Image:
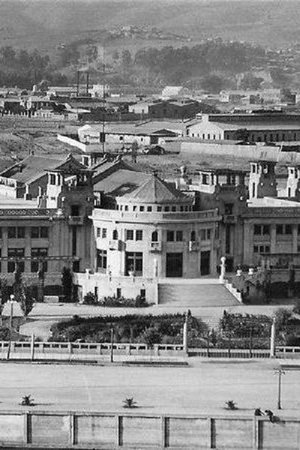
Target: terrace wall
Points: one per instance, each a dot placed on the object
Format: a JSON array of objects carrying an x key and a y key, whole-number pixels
[{"x": 88, "y": 430}]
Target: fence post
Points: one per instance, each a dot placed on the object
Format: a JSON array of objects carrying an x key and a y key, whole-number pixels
[
  {"x": 119, "y": 431},
  {"x": 26, "y": 429},
  {"x": 72, "y": 430},
  {"x": 163, "y": 432},
  {"x": 210, "y": 433},
  {"x": 32, "y": 347}
]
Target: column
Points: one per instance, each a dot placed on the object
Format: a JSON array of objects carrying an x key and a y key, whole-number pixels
[
  {"x": 273, "y": 238},
  {"x": 295, "y": 238},
  {"x": 27, "y": 249},
  {"x": 248, "y": 243}
]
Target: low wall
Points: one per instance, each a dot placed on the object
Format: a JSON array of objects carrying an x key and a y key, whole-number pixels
[
  {"x": 68, "y": 351},
  {"x": 73, "y": 351},
  {"x": 239, "y": 151},
  {"x": 74, "y": 143},
  {"x": 88, "y": 430}
]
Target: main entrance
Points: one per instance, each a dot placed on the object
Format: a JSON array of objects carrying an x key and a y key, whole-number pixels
[
  {"x": 205, "y": 263},
  {"x": 174, "y": 265}
]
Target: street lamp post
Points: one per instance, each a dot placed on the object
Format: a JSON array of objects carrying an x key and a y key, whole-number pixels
[
  {"x": 280, "y": 373},
  {"x": 111, "y": 345}
]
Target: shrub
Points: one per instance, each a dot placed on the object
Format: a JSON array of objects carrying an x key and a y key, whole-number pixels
[
  {"x": 129, "y": 403},
  {"x": 90, "y": 299},
  {"x": 150, "y": 337},
  {"x": 231, "y": 405},
  {"x": 27, "y": 401}
]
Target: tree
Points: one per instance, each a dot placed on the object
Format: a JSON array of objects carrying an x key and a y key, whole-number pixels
[
  {"x": 4, "y": 291},
  {"x": 67, "y": 284},
  {"x": 151, "y": 336},
  {"x": 251, "y": 82},
  {"x": 126, "y": 58},
  {"x": 242, "y": 134},
  {"x": 22, "y": 293},
  {"x": 115, "y": 55},
  {"x": 212, "y": 83}
]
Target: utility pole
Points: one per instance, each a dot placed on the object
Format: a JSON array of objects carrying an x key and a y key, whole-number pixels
[
  {"x": 103, "y": 99},
  {"x": 111, "y": 345},
  {"x": 272, "y": 339}
]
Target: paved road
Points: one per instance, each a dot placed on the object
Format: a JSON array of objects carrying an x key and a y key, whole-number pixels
[
  {"x": 202, "y": 387},
  {"x": 45, "y": 314},
  {"x": 48, "y": 310}
]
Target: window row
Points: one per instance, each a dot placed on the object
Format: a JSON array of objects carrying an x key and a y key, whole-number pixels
[
  {"x": 37, "y": 256},
  {"x": 262, "y": 230},
  {"x": 261, "y": 249},
  {"x": 172, "y": 235},
  {"x": 19, "y": 232},
  {"x": 143, "y": 208}
]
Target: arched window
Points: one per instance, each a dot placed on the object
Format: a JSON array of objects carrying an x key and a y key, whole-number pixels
[
  {"x": 154, "y": 236},
  {"x": 193, "y": 236},
  {"x": 115, "y": 235}
]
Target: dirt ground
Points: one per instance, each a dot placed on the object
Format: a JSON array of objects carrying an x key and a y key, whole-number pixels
[{"x": 202, "y": 387}]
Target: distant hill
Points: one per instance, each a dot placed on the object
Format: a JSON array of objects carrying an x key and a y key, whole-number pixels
[{"x": 45, "y": 23}]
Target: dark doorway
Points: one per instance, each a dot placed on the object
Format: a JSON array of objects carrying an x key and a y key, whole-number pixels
[
  {"x": 174, "y": 265},
  {"x": 205, "y": 263}
]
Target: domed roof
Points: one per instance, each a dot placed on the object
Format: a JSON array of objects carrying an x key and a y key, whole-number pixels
[{"x": 155, "y": 190}]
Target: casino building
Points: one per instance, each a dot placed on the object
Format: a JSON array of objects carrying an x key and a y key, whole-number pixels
[{"x": 147, "y": 235}]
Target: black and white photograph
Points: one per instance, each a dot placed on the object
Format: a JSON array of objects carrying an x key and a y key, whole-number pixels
[{"x": 150, "y": 224}]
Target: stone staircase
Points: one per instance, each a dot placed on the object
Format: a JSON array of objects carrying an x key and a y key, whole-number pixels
[{"x": 193, "y": 294}]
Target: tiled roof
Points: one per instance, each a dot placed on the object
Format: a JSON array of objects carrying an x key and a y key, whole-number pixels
[
  {"x": 262, "y": 126},
  {"x": 32, "y": 167},
  {"x": 121, "y": 182},
  {"x": 155, "y": 190}
]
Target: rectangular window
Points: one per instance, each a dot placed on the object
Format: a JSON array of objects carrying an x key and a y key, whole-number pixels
[
  {"x": 288, "y": 229},
  {"x": 205, "y": 234},
  {"x": 38, "y": 255},
  {"x": 16, "y": 232},
  {"x": 20, "y": 232},
  {"x": 170, "y": 236},
  {"x": 134, "y": 263},
  {"x": 101, "y": 259},
  {"x": 15, "y": 255},
  {"x": 179, "y": 236},
  {"x": 283, "y": 229},
  {"x": 139, "y": 235},
  {"x": 52, "y": 179},
  {"x": 44, "y": 232},
  {"x": 159, "y": 209},
  {"x": 12, "y": 232},
  {"x": 39, "y": 232},
  {"x": 149, "y": 208},
  {"x": 98, "y": 232},
  {"x": 261, "y": 249},
  {"x": 142, "y": 208},
  {"x": 261, "y": 230},
  {"x": 173, "y": 208},
  {"x": 104, "y": 233},
  {"x": 167, "y": 208},
  {"x": 34, "y": 232},
  {"x": 228, "y": 208},
  {"x": 129, "y": 235}
]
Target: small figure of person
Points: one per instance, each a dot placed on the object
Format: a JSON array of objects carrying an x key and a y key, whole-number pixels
[
  {"x": 258, "y": 412},
  {"x": 270, "y": 414}
]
